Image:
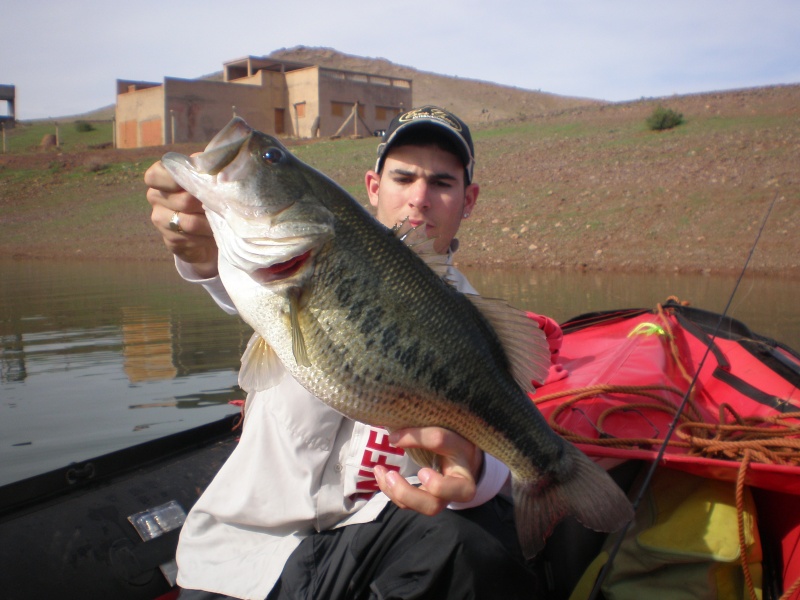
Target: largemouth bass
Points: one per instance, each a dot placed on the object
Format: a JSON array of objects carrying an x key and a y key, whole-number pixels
[{"x": 366, "y": 325}]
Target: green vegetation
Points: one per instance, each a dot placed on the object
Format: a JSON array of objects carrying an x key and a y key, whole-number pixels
[
  {"x": 664, "y": 118},
  {"x": 589, "y": 188},
  {"x": 83, "y": 126},
  {"x": 343, "y": 160},
  {"x": 72, "y": 136}
]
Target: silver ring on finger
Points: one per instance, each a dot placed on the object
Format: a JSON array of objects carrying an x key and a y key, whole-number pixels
[{"x": 175, "y": 222}]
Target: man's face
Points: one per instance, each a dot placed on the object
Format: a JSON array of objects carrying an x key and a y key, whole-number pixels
[{"x": 424, "y": 184}]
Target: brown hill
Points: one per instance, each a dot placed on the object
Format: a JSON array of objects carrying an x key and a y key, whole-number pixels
[
  {"x": 477, "y": 102},
  {"x": 594, "y": 188},
  {"x": 565, "y": 183},
  {"x": 474, "y": 101}
]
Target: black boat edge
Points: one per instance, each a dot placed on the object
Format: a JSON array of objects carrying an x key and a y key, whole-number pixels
[{"x": 87, "y": 512}]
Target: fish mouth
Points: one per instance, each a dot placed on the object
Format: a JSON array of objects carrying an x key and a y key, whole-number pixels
[
  {"x": 224, "y": 147},
  {"x": 282, "y": 270},
  {"x": 236, "y": 130},
  {"x": 196, "y": 173}
]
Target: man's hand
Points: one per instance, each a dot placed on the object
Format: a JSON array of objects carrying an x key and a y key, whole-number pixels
[
  {"x": 460, "y": 462},
  {"x": 195, "y": 243}
]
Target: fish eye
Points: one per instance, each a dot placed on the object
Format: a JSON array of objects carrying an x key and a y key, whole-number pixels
[{"x": 273, "y": 155}]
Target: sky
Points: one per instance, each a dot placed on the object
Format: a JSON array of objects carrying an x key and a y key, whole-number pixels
[{"x": 65, "y": 57}]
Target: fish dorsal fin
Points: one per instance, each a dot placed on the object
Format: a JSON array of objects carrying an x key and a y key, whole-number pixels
[
  {"x": 261, "y": 367},
  {"x": 524, "y": 343},
  {"x": 422, "y": 245}
]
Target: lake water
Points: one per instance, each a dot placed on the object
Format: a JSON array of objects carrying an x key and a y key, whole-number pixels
[{"x": 95, "y": 357}]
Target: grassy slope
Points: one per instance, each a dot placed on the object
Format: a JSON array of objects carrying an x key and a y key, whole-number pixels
[
  {"x": 586, "y": 188},
  {"x": 27, "y": 136},
  {"x": 596, "y": 189}
]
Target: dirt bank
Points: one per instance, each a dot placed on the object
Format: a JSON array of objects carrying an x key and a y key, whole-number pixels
[{"x": 586, "y": 188}]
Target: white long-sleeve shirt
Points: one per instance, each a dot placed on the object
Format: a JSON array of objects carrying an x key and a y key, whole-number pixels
[{"x": 298, "y": 468}]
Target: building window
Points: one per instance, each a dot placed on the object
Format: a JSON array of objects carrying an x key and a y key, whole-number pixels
[
  {"x": 386, "y": 113},
  {"x": 343, "y": 109}
]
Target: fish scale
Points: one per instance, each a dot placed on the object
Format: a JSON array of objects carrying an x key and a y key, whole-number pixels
[
  {"x": 383, "y": 329},
  {"x": 366, "y": 325}
]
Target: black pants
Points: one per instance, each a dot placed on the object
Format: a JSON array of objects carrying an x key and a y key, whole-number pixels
[{"x": 469, "y": 554}]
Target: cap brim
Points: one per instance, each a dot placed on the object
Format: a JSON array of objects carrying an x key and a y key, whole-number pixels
[{"x": 460, "y": 142}]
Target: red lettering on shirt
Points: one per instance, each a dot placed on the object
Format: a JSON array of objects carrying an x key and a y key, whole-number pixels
[
  {"x": 382, "y": 444},
  {"x": 378, "y": 451}
]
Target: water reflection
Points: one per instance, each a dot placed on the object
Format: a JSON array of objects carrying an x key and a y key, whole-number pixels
[
  {"x": 95, "y": 357},
  {"x": 12, "y": 365},
  {"x": 767, "y": 305},
  {"x": 147, "y": 345}
]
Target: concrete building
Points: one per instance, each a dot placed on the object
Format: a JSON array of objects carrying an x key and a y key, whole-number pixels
[
  {"x": 277, "y": 97},
  {"x": 8, "y": 94}
]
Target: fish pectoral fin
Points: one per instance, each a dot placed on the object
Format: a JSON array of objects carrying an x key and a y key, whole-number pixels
[
  {"x": 525, "y": 345},
  {"x": 424, "y": 458},
  {"x": 589, "y": 495},
  {"x": 261, "y": 367},
  {"x": 298, "y": 342}
]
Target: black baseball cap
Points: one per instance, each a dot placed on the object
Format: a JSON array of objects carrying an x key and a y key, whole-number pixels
[{"x": 431, "y": 117}]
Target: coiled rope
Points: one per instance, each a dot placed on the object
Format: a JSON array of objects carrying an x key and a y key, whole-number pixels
[{"x": 768, "y": 440}]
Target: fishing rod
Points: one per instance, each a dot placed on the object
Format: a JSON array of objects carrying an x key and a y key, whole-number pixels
[{"x": 663, "y": 448}]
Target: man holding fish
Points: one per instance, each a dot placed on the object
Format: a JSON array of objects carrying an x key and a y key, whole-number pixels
[{"x": 297, "y": 510}]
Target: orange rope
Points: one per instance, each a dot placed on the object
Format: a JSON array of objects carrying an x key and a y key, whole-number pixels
[
  {"x": 579, "y": 394},
  {"x": 792, "y": 590},
  {"x": 768, "y": 440},
  {"x": 748, "y": 577},
  {"x": 672, "y": 345}
]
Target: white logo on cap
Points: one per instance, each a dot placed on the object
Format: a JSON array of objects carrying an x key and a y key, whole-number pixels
[{"x": 431, "y": 113}]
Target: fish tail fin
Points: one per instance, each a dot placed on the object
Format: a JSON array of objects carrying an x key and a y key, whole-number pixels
[{"x": 588, "y": 494}]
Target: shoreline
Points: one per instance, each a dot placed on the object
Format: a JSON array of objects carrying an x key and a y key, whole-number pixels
[
  {"x": 589, "y": 190},
  {"x": 498, "y": 264}
]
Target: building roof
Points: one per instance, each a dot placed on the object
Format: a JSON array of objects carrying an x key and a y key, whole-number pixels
[{"x": 249, "y": 65}]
